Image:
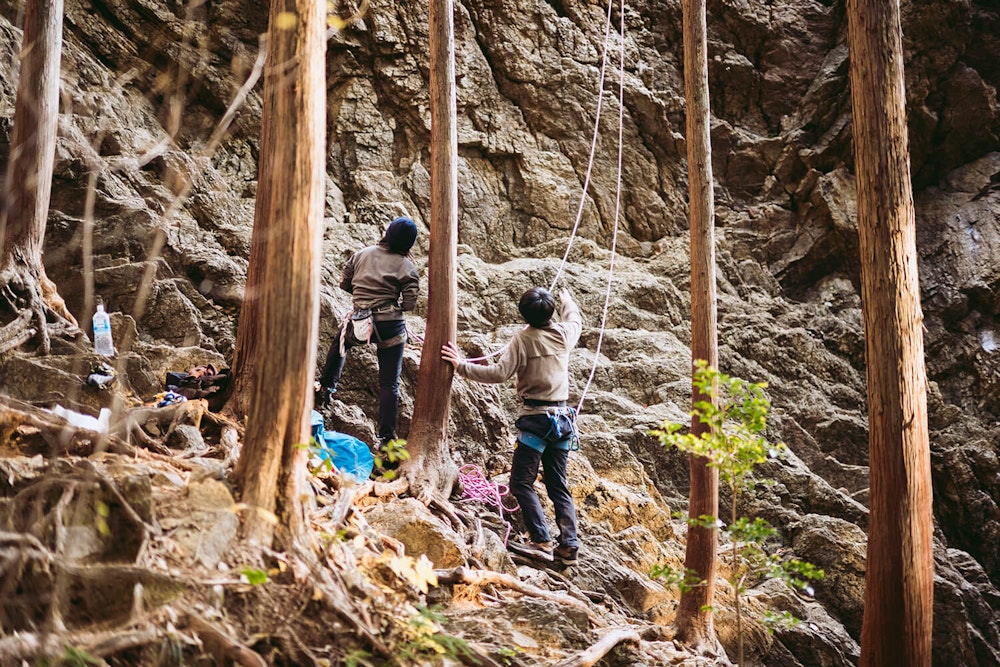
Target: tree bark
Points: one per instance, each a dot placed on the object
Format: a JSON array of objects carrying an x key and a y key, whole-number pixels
[
  {"x": 900, "y": 578},
  {"x": 694, "y": 619},
  {"x": 283, "y": 331},
  {"x": 29, "y": 171},
  {"x": 430, "y": 468}
]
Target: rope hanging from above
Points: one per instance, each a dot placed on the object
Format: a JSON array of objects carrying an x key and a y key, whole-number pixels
[{"x": 586, "y": 186}]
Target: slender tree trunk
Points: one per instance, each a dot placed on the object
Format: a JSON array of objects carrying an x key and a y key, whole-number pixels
[
  {"x": 430, "y": 468},
  {"x": 900, "y": 579},
  {"x": 29, "y": 171},
  {"x": 245, "y": 355},
  {"x": 694, "y": 620},
  {"x": 288, "y": 230}
]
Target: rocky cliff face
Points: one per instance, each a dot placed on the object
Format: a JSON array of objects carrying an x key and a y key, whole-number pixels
[{"x": 145, "y": 83}]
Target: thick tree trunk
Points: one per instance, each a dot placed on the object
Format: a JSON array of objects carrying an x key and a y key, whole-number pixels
[
  {"x": 430, "y": 468},
  {"x": 288, "y": 229},
  {"x": 28, "y": 183},
  {"x": 694, "y": 621},
  {"x": 899, "y": 582}
]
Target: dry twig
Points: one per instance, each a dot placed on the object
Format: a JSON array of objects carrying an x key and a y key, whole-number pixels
[{"x": 222, "y": 646}]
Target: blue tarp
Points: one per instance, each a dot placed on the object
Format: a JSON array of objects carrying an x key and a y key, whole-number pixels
[{"x": 350, "y": 456}]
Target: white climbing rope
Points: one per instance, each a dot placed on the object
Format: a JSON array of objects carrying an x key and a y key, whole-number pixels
[
  {"x": 590, "y": 165},
  {"x": 618, "y": 198}
]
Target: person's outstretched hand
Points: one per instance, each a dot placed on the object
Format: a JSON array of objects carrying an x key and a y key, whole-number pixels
[
  {"x": 451, "y": 354},
  {"x": 564, "y": 295}
]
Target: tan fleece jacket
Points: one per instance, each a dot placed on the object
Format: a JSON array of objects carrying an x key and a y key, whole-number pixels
[
  {"x": 377, "y": 277},
  {"x": 540, "y": 357}
]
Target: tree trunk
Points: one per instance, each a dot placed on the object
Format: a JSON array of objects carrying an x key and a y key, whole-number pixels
[
  {"x": 284, "y": 328},
  {"x": 430, "y": 468},
  {"x": 694, "y": 620},
  {"x": 29, "y": 171},
  {"x": 899, "y": 583},
  {"x": 245, "y": 354}
]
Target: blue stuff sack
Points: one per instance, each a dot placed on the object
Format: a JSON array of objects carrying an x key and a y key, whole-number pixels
[{"x": 350, "y": 456}]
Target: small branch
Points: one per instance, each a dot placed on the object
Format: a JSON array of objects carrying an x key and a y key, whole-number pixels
[
  {"x": 464, "y": 575},
  {"x": 592, "y": 655},
  {"x": 340, "y": 509},
  {"x": 394, "y": 488},
  {"x": 122, "y": 642},
  {"x": 223, "y": 647},
  {"x": 26, "y": 645}
]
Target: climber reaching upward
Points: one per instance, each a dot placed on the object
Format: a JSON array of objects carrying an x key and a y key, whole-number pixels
[{"x": 539, "y": 355}]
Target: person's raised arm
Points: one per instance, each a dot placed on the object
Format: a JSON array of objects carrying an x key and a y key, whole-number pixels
[{"x": 569, "y": 313}]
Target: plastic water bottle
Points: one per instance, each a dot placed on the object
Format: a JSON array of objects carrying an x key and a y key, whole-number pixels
[{"x": 103, "y": 344}]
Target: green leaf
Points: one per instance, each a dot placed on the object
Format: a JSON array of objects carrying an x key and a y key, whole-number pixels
[{"x": 254, "y": 577}]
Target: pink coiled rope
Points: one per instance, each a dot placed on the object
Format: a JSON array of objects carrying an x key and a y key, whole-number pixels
[{"x": 477, "y": 488}]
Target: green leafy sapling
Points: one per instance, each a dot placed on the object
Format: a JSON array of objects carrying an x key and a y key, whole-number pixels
[
  {"x": 389, "y": 457},
  {"x": 734, "y": 444}
]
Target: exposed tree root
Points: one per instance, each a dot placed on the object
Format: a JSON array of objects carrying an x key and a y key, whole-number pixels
[
  {"x": 394, "y": 488},
  {"x": 593, "y": 655},
  {"x": 328, "y": 584},
  {"x": 38, "y": 646},
  {"x": 476, "y": 657},
  {"x": 464, "y": 575},
  {"x": 165, "y": 420},
  {"x": 24, "y": 421},
  {"x": 28, "y": 288},
  {"x": 28, "y": 645},
  {"x": 16, "y": 333},
  {"x": 223, "y": 648}
]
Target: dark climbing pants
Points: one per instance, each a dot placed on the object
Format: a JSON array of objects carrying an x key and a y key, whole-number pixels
[
  {"x": 390, "y": 364},
  {"x": 524, "y": 472}
]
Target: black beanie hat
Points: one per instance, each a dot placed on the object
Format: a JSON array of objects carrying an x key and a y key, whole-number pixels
[{"x": 401, "y": 235}]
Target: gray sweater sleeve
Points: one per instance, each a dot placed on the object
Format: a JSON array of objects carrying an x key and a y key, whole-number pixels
[
  {"x": 347, "y": 276},
  {"x": 502, "y": 370},
  {"x": 409, "y": 286}
]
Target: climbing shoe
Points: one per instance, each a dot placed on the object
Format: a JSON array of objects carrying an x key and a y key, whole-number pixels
[
  {"x": 566, "y": 555},
  {"x": 538, "y": 549},
  {"x": 321, "y": 395}
]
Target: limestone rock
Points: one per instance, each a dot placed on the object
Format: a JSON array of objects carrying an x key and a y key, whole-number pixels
[{"x": 410, "y": 522}]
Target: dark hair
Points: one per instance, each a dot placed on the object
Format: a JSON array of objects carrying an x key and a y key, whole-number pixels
[
  {"x": 536, "y": 306},
  {"x": 400, "y": 235}
]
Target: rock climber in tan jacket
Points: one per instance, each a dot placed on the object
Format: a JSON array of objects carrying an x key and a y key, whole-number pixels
[{"x": 539, "y": 355}]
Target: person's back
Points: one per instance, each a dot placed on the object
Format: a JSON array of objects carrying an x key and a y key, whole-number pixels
[
  {"x": 377, "y": 276},
  {"x": 544, "y": 373}
]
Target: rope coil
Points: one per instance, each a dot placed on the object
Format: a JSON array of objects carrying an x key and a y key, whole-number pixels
[{"x": 477, "y": 488}]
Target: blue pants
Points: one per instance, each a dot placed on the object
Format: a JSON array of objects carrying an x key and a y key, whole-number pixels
[
  {"x": 523, "y": 472},
  {"x": 390, "y": 364}
]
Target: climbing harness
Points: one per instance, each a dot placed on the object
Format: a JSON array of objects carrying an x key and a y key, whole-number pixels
[
  {"x": 477, "y": 488},
  {"x": 358, "y": 328},
  {"x": 561, "y": 432}
]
